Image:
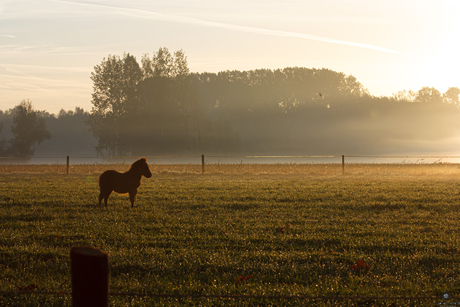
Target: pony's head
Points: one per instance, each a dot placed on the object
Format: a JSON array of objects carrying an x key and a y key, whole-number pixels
[{"x": 141, "y": 167}]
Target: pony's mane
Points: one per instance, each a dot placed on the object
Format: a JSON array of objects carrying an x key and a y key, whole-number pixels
[{"x": 137, "y": 163}]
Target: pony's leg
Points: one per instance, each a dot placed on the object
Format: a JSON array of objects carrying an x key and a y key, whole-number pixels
[
  {"x": 100, "y": 199},
  {"x": 132, "y": 197},
  {"x": 106, "y": 198}
]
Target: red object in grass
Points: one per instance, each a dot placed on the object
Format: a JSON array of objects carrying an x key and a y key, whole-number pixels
[
  {"x": 242, "y": 279},
  {"x": 360, "y": 266},
  {"x": 282, "y": 229}
]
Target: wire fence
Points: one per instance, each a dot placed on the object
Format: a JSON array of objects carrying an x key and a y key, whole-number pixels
[
  {"x": 244, "y": 164},
  {"x": 222, "y": 158}
]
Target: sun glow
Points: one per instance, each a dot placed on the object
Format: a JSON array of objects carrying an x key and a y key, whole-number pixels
[{"x": 388, "y": 45}]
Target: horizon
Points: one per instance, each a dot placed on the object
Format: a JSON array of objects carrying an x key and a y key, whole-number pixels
[{"x": 49, "y": 48}]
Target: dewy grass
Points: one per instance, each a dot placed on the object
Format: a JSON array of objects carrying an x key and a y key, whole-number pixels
[
  {"x": 312, "y": 169},
  {"x": 257, "y": 235}
]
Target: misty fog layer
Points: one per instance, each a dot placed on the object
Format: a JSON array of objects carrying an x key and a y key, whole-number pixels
[{"x": 291, "y": 111}]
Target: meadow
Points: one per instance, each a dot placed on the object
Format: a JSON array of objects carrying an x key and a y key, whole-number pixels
[{"x": 238, "y": 230}]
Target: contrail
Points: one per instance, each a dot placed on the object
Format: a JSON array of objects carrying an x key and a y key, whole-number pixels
[{"x": 138, "y": 13}]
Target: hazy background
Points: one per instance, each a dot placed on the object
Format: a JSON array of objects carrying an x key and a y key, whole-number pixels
[
  {"x": 388, "y": 67},
  {"x": 48, "y": 48}
]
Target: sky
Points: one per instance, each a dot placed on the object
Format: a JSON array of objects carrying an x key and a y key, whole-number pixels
[{"x": 49, "y": 48}]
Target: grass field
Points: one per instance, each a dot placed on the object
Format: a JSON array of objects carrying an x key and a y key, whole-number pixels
[{"x": 274, "y": 232}]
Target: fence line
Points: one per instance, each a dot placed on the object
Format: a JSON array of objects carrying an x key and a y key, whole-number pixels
[
  {"x": 203, "y": 162},
  {"x": 244, "y": 156},
  {"x": 274, "y": 156}
]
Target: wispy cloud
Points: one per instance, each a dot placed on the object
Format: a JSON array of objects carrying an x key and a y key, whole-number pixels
[
  {"x": 21, "y": 48},
  {"x": 139, "y": 13},
  {"x": 43, "y": 78},
  {"x": 52, "y": 49},
  {"x": 7, "y": 35},
  {"x": 22, "y": 68},
  {"x": 15, "y": 88}
]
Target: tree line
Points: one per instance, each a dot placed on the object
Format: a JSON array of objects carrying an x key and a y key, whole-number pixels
[
  {"x": 157, "y": 107},
  {"x": 25, "y": 132}
]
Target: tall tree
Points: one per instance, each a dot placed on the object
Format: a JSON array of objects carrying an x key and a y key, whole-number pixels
[
  {"x": 172, "y": 111},
  {"x": 139, "y": 109},
  {"x": 29, "y": 129},
  {"x": 114, "y": 97}
]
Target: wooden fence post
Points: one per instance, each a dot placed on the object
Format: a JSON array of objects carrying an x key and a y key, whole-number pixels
[
  {"x": 68, "y": 164},
  {"x": 90, "y": 277},
  {"x": 202, "y": 164},
  {"x": 343, "y": 164}
]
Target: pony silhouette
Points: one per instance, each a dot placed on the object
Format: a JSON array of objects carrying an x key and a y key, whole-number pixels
[{"x": 122, "y": 183}]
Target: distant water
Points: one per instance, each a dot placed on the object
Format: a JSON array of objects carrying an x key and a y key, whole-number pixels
[{"x": 401, "y": 159}]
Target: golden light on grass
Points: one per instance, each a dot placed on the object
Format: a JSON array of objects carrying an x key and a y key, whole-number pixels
[{"x": 305, "y": 169}]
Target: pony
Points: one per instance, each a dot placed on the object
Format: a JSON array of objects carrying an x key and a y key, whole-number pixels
[{"x": 122, "y": 183}]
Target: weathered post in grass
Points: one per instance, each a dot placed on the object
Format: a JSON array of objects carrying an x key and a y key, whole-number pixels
[
  {"x": 343, "y": 164},
  {"x": 202, "y": 164},
  {"x": 68, "y": 164},
  {"x": 90, "y": 277}
]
